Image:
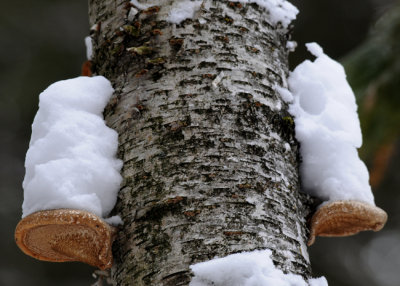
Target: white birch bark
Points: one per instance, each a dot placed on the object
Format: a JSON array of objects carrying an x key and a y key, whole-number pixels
[{"x": 210, "y": 158}]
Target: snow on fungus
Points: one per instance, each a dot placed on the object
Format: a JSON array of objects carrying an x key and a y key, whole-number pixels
[
  {"x": 328, "y": 129},
  {"x": 72, "y": 176},
  {"x": 246, "y": 269},
  {"x": 66, "y": 235},
  {"x": 71, "y": 161},
  {"x": 344, "y": 218}
]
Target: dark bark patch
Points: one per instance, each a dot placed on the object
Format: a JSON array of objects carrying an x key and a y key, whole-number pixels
[
  {"x": 209, "y": 76},
  {"x": 206, "y": 64},
  {"x": 156, "y": 76},
  {"x": 244, "y": 186},
  {"x": 141, "y": 50},
  {"x": 174, "y": 200},
  {"x": 192, "y": 213},
  {"x": 176, "y": 43},
  {"x": 235, "y": 5},
  {"x": 228, "y": 20},
  {"x": 255, "y": 150},
  {"x": 141, "y": 73},
  {"x": 252, "y": 49},
  {"x": 159, "y": 210},
  {"x": 177, "y": 279},
  {"x": 233, "y": 233},
  {"x": 133, "y": 31},
  {"x": 224, "y": 39},
  {"x": 152, "y": 10}
]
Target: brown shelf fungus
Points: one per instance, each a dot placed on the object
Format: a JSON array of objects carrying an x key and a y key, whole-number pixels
[
  {"x": 63, "y": 235},
  {"x": 345, "y": 218}
]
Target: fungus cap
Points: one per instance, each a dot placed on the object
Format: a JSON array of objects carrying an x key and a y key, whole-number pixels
[
  {"x": 345, "y": 218},
  {"x": 63, "y": 235}
]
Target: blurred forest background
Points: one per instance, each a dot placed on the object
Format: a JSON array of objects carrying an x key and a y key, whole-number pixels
[{"x": 43, "y": 41}]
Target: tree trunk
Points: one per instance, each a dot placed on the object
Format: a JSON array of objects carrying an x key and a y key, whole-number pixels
[{"x": 210, "y": 157}]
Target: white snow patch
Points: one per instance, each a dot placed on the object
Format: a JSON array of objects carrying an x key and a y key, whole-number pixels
[
  {"x": 95, "y": 27},
  {"x": 280, "y": 11},
  {"x": 233, "y": 159},
  {"x": 315, "y": 49},
  {"x": 303, "y": 246},
  {"x": 142, "y": 6},
  {"x": 132, "y": 13},
  {"x": 182, "y": 10},
  {"x": 275, "y": 136},
  {"x": 328, "y": 129},
  {"x": 114, "y": 220},
  {"x": 287, "y": 147},
  {"x": 265, "y": 101},
  {"x": 278, "y": 106},
  {"x": 291, "y": 46},
  {"x": 259, "y": 211},
  {"x": 321, "y": 281},
  {"x": 286, "y": 95},
  {"x": 218, "y": 79},
  {"x": 245, "y": 269},
  {"x": 71, "y": 160},
  {"x": 89, "y": 47}
]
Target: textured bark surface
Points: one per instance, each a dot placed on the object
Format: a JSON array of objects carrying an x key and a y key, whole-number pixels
[{"x": 210, "y": 158}]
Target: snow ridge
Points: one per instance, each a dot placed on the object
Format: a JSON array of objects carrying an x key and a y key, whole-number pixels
[{"x": 71, "y": 160}]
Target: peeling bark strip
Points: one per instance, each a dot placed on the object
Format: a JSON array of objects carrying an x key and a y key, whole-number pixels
[{"x": 202, "y": 135}]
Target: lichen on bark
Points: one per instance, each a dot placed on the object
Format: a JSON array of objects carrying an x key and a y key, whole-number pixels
[{"x": 204, "y": 138}]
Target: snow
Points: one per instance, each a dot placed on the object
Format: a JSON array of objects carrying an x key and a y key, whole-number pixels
[
  {"x": 291, "y": 46},
  {"x": 328, "y": 129},
  {"x": 89, "y": 47},
  {"x": 285, "y": 93},
  {"x": 280, "y": 11},
  {"x": 315, "y": 49},
  {"x": 132, "y": 13},
  {"x": 183, "y": 10},
  {"x": 71, "y": 160},
  {"x": 142, "y": 6},
  {"x": 321, "y": 281},
  {"x": 114, "y": 220},
  {"x": 287, "y": 147},
  {"x": 218, "y": 79},
  {"x": 254, "y": 268}
]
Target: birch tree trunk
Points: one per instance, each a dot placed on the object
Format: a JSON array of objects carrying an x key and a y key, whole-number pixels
[{"x": 210, "y": 157}]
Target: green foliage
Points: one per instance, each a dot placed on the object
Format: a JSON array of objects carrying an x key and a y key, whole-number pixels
[{"x": 374, "y": 73}]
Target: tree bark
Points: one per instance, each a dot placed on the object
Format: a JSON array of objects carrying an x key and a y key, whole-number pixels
[{"x": 210, "y": 157}]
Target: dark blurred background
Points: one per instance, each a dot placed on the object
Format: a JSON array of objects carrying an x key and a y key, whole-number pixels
[{"x": 42, "y": 42}]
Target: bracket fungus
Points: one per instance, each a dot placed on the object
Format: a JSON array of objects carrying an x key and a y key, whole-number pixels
[
  {"x": 63, "y": 235},
  {"x": 345, "y": 218}
]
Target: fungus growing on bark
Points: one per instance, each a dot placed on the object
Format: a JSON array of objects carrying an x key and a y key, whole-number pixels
[
  {"x": 66, "y": 235},
  {"x": 72, "y": 176},
  {"x": 345, "y": 218},
  {"x": 328, "y": 129}
]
